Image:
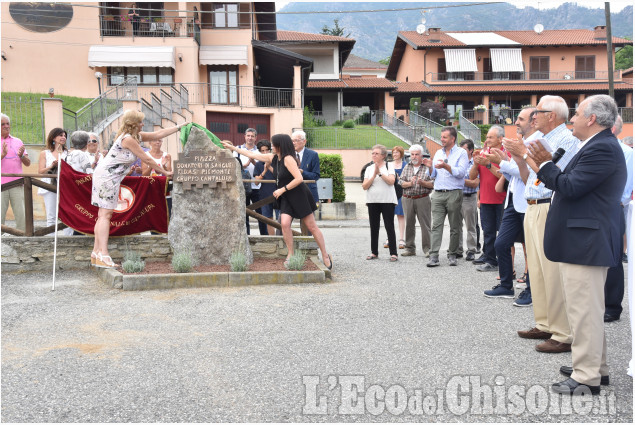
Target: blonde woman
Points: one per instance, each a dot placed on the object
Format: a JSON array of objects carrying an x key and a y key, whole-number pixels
[{"x": 111, "y": 170}]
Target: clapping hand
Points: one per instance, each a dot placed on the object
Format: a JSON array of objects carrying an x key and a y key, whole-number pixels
[
  {"x": 496, "y": 156},
  {"x": 514, "y": 146},
  {"x": 5, "y": 149},
  {"x": 538, "y": 153},
  {"x": 481, "y": 159},
  {"x": 427, "y": 162}
]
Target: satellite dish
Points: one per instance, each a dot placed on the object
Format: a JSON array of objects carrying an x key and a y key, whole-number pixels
[
  {"x": 421, "y": 29},
  {"x": 539, "y": 28},
  {"x": 423, "y": 20}
]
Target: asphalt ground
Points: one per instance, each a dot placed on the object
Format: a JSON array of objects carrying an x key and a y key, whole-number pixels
[{"x": 383, "y": 342}]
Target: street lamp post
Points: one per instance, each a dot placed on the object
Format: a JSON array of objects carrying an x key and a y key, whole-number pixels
[{"x": 98, "y": 76}]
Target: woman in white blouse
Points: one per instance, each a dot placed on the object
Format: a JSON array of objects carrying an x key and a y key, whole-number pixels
[{"x": 379, "y": 180}]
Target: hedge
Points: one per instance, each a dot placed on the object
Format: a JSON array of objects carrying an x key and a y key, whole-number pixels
[{"x": 331, "y": 166}]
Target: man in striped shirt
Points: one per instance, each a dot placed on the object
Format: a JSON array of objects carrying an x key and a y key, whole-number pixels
[
  {"x": 416, "y": 204},
  {"x": 546, "y": 286}
]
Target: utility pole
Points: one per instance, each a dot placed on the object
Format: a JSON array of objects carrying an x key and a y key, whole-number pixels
[{"x": 609, "y": 47}]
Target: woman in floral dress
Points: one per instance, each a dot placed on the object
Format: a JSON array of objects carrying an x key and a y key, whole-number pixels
[{"x": 111, "y": 170}]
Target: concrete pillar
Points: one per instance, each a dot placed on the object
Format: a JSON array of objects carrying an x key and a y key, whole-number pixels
[
  {"x": 486, "y": 112},
  {"x": 297, "y": 86},
  {"x": 534, "y": 99},
  {"x": 183, "y": 16},
  {"x": 53, "y": 115},
  {"x": 581, "y": 98},
  {"x": 629, "y": 99},
  {"x": 389, "y": 104}
]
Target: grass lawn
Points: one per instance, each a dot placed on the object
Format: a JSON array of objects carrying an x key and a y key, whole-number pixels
[
  {"x": 360, "y": 137},
  {"x": 24, "y": 109}
]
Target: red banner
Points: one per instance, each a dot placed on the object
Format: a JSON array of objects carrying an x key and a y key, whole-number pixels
[{"x": 142, "y": 205}]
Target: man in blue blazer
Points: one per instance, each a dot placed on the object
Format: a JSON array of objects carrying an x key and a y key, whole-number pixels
[
  {"x": 309, "y": 164},
  {"x": 583, "y": 234}
]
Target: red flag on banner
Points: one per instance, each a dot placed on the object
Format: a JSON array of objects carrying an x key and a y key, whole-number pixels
[{"x": 142, "y": 205}]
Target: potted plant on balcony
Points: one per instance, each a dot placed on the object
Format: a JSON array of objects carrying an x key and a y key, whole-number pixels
[{"x": 479, "y": 113}]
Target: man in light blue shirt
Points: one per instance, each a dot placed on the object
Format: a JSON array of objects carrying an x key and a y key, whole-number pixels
[
  {"x": 550, "y": 315},
  {"x": 447, "y": 168}
]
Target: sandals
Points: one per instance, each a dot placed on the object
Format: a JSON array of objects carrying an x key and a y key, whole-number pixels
[
  {"x": 372, "y": 257},
  {"x": 522, "y": 279},
  {"x": 105, "y": 262},
  {"x": 513, "y": 276},
  {"x": 386, "y": 245},
  {"x": 402, "y": 244},
  {"x": 286, "y": 264},
  {"x": 393, "y": 258},
  {"x": 93, "y": 258}
]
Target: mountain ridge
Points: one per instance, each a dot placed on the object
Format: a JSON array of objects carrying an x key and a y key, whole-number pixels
[{"x": 376, "y": 32}]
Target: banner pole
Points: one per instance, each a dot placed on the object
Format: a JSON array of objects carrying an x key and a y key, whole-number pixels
[{"x": 57, "y": 210}]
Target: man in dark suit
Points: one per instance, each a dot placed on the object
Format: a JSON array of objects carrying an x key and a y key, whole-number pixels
[
  {"x": 583, "y": 234},
  {"x": 309, "y": 165}
]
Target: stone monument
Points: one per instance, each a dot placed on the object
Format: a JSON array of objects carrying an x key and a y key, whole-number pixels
[{"x": 208, "y": 203}]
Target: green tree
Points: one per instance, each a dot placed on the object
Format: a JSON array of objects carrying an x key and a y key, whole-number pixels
[
  {"x": 624, "y": 57},
  {"x": 385, "y": 61},
  {"x": 336, "y": 30}
]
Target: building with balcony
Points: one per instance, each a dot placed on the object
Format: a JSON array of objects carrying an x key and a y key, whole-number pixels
[
  {"x": 503, "y": 70},
  {"x": 213, "y": 63}
]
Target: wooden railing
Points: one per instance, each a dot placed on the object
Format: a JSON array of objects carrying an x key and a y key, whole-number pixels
[{"x": 30, "y": 180}]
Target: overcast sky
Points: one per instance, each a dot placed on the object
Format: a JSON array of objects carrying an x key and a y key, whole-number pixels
[{"x": 616, "y": 5}]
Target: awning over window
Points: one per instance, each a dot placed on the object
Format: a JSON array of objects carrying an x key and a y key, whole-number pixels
[
  {"x": 506, "y": 60},
  {"x": 131, "y": 56},
  {"x": 460, "y": 60},
  {"x": 223, "y": 55}
]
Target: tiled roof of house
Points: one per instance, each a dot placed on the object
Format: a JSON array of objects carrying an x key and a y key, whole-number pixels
[
  {"x": 352, "y": 83},
  {"x": 326, "y": 84},
  {"x": 360, "y": 63},
  {"x": 306, "y": 36},
  {"x": 525, "y": 38},
  {"x": 627, "y": 71},
  {"x": 497, "y": 88}
]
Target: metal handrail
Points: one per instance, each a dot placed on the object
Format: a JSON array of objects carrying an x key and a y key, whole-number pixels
[
  {"x": 470, "y": 130},
  {"x": 426, "y": 127},
  {"x": 523, "y": 76}
]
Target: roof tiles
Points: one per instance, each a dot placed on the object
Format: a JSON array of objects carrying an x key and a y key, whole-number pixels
[
  {"x": 306, "y": 36},
  {"x": 525, "y": 38}
]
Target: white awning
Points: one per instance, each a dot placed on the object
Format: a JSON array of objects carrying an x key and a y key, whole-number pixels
[
  {"x": 506, "y": 60},
  {"x": 460, "y": 60},
  {"x": 482, "y": 39},
  {"x": 131, "y": 56},
  {"x": 223, "y": 55}
]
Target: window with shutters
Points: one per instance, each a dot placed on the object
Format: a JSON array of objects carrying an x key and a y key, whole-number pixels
[
  {"x": 146, "y": 76},
  {"x": 584, "y": 67},
  {"x": 539, "y": 68},
  {"x": 223, "y": 84}
]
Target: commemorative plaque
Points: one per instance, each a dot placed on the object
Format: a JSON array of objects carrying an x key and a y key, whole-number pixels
[{"x": 201, "y": 168}]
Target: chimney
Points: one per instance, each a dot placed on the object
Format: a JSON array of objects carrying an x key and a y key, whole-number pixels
[
  {"x": 432, "y": 30},
  {"x": 599, "y": 32}
]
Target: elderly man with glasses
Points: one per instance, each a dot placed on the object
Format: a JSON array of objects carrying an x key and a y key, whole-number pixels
[{"x": 552, "y": 324}]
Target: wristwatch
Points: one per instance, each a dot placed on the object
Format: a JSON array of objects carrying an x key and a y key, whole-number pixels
[
  {"x": 525, "y": 156},
  {"x": 488, "y": 166}
]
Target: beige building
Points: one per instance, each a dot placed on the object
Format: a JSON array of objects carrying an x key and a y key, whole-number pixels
[{"x": 207, "y": 62}]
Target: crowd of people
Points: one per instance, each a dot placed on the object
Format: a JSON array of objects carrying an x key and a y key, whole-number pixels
[{"x": 547, "y": 189}]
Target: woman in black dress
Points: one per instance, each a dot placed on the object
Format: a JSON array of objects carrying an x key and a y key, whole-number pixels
[{"x": 293, "y": 195}]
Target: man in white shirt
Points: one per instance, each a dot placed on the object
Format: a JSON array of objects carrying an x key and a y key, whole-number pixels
[{"x": 248, "y": 164}]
